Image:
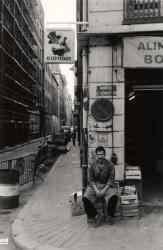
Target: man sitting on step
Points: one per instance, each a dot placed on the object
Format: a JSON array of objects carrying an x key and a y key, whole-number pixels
[{"x": 101, "y": 177}]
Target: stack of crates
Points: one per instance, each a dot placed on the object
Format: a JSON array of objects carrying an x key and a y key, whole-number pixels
[
  {"x": 101, "y": 207},
  {"x": 133, "y": 177},
  {"x": 129, "y": 203}
]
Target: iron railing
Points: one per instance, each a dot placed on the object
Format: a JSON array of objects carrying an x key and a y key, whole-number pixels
[
  {"x": 25, "y": 166},
  {"x": 142, "y": 11}
]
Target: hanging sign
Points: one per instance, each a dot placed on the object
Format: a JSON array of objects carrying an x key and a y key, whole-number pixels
[
  {"x": 59, "y": 46},
  {"x": 143, "y": 52}
]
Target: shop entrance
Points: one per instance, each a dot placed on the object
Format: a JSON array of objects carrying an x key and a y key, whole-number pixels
[{"x": 144, "y": 129}]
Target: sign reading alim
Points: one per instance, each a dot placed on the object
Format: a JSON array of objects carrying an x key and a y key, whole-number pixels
[
  {"x": 59, "y": 46},
  {"x": 147, "y": 52}
]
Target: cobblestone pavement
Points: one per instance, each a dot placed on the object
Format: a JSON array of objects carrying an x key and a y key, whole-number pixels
[
  {"x": 46, "y": 221},
  {"x": 7, "y": 216}
]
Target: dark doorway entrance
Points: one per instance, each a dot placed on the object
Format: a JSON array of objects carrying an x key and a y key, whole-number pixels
[{"x": 144, "y": 129}]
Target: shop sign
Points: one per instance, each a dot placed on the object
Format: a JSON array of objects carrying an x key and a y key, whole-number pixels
[
  {"x": 59, "y": 46},
  {"x": 143, "y": 51}
]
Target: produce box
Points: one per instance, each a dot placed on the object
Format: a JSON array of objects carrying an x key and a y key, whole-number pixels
[{"x": 132, "y": 172}]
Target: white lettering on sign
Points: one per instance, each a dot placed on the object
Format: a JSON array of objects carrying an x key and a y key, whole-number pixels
[
  {"x": 105, "y": 90},
  {"x": 146, "y": 51}
]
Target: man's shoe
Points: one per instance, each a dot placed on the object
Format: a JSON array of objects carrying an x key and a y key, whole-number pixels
[
  {"x": 98, "y": 220},
  {"x": 110, "y": 220}
]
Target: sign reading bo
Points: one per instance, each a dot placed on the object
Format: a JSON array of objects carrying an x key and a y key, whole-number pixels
[{"x": 147, "y": 51}]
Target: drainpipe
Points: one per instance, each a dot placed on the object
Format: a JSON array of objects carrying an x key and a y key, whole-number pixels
[
  {"x": 85, "y": 14},
  {"x": 114, "y": 157},
  {"x": 85, "y": 114}
]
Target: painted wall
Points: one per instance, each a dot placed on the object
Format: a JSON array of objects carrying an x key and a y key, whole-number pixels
[{"x": 105, "y": 13}]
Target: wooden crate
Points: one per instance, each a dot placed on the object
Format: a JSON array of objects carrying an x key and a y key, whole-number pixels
[
  {"x": 101, "y": 207},
  {"x": 130, "y": 206},
  {"x": 133, "y": 172},
  {"x": 138, "y": 185},
  {"x": 133, "y": 177}
]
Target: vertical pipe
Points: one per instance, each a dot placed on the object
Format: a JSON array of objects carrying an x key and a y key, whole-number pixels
[
  {"x": 112, "y": 79},
  {"x": 85, "y": 14},
  {"x": 85, "y": 86},
  {"x": 114, "y": 158},
  {"x": 85, "y": 113}
]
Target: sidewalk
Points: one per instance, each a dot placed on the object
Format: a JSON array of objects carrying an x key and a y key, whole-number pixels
[
  {"x": 20, "y": 150},
  {"x": 45, "y": 223}
]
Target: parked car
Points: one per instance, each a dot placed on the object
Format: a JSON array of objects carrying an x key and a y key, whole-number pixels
[{"x": 67, "y": 132}]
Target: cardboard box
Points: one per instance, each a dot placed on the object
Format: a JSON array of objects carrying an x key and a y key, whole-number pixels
[{"x": 76, "y": 203}]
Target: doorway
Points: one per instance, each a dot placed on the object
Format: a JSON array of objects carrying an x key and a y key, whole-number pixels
[{"x": 144, "y": 128}]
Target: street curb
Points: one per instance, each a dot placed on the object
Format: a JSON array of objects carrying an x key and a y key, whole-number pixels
[
  {"x": 18, "y": 231},
  {"x": 23, "y": 241}
]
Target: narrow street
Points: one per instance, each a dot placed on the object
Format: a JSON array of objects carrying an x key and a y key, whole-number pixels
[{"x": 81, "y": 125}]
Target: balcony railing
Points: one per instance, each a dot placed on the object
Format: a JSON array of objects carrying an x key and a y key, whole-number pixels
[{"x": 143, "y": 11}]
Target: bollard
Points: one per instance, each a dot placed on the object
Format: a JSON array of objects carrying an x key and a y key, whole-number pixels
[{"x": 9, "y": 188}]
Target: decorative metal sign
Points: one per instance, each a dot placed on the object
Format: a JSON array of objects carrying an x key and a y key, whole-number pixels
[{"x": 59, "y": 46}]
